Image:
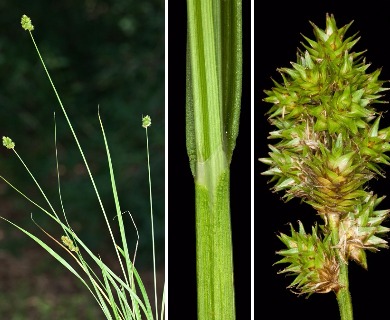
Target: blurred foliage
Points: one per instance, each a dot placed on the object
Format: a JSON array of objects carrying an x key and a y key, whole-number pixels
[
  {"x": 99, "y": 53},
  {"x": 31, "y": 289},
  {"x": 44, "y": 306}
]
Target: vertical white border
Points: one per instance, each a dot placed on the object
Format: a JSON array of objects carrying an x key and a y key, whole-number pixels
[
  {"x": 252, "y": 161},
  {"x": 166, "y": 160}
]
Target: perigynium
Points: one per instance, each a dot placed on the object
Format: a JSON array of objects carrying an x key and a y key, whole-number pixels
[{"x": 328, "y": 146}]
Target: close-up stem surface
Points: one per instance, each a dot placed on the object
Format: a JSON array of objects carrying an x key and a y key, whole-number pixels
[{"x": 214, "y": 75}]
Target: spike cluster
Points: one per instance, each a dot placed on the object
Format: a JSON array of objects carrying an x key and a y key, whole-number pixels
[
  {"x": 69, "y": 243},
  {"x": 361, "y": 229},
  {"x": 311, "y": 259},
  {"x": 8, "y": 143},
  {"x": 26, "y": 23},
  {"x": 329, "y": 146}
]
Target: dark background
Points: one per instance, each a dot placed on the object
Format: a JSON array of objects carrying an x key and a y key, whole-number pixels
[
  {"x": 107, "y": 53},
  {"x": 277, "y": 35},
  {"x": 181, "y": 211}
]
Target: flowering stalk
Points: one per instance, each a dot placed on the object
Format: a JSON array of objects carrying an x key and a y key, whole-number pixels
[
  {"x": 119, "y": 296},
  {"x": 329, "y": 146}
]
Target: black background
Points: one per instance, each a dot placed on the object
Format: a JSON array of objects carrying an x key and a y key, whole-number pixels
[
  {"x": 181, "y": 211},
  {"x": 277, "y": 35}
]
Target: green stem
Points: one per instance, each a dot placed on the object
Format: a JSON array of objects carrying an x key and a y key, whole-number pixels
[
  {"x": 214, "y": 73},
  {"x": 214, "y": 78},
  {"x": 124, "y": 241},
  {"x": 204, "y": 62},
  {"x": 214, "y": 257},
  {"x": 152, "y": 224},
  {"x": 343, "y": 295}
]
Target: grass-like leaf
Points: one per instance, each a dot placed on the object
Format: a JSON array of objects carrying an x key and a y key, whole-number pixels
[{"x": 116, "y": 294}]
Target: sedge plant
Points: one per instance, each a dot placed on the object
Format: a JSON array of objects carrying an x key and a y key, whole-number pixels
[
  {"x": 329, "y": 146},
  {"x": 213, "y": 100},
  {"x": 120, "y": 296}
]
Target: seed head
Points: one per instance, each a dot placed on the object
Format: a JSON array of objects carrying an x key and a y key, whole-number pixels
[
  {"x": 69, "y": 243},
  {"x": 146, "y": 121},
  {"x": 8, "y": 143},
  {"x": 26, "y": 23},
  {"x": 311, "y": 259}
]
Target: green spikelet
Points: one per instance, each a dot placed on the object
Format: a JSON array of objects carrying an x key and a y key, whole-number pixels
[
  {"x": 362, "y": 229},
  {"x": 311, "y": 259},
  {"x": 328, "y": 146}
]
